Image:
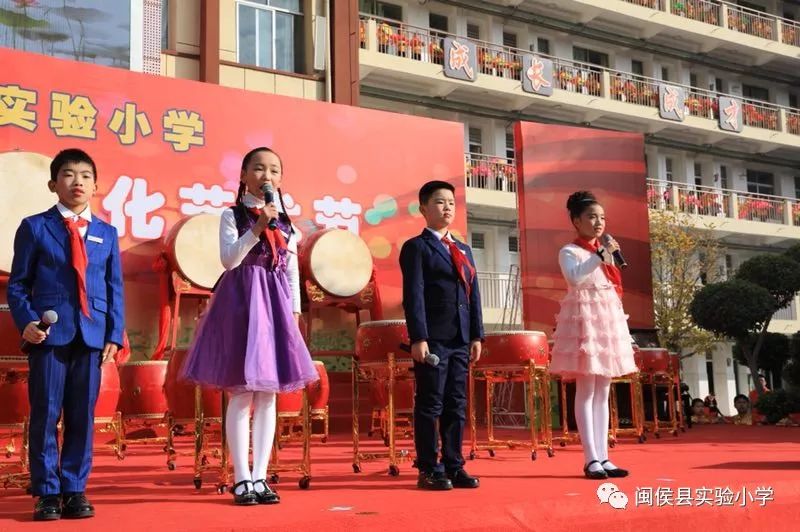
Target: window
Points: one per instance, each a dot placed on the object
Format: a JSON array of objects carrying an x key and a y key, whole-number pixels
[
  {"x": 381, "y": 9},
  {"x": 165, "y": 24},
  {"x": 752, "y": 6},
  {"x": 797, "y": 187},
  {"x": 760, "y": 182},
  {"x": 478, "y": 241},
  {"x": 543, "y": 46},
  {"x": 513, "y": 244},
  {"x": 668, "y": 168},
  {"x": 437, "y": 22},
  {"x": 723, "y": 176},
  {"x": 271, "y": 35},
  {"x": 698, "y": 174},
  {"x": 693, "y": 80},
  {"x": 718, "y": 84},
  {"x": 589, "y": 56},
  {"x": 95, "y": 31},
  {"x": 793, "y": 100},
  {"x": 755, "y": 93},
  {"x": 665, "y": 73},
  {"x": 509, "y": 145},
  {"x": 509, "y": 39},
  {"x": 637, "y": 67},
  {"x": 475, "y": 140},
  {"x": 729, "y": 266},
  {"x": 473, "y": 31}
]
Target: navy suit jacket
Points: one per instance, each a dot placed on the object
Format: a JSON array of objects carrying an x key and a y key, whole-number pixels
[
  {"x": 42, "y": 278},
  {"x": 434, "y": 299}
]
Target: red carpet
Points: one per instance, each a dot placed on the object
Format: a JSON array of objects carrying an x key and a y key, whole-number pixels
[{"x": 549, "y": 494}]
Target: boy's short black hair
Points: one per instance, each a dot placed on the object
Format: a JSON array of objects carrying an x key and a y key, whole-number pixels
[
  {"x": 698, "y": 400},
  {"x": 430, "y": 187},
  {"x": 71, "y": 155},
  {"x": 742, "y": 397}
]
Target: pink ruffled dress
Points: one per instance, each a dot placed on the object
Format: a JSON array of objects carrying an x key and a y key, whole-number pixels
[{"x": 592, "y": 336}]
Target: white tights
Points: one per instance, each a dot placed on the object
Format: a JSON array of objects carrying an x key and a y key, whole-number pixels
[
  {"x": 591, "y": 415},
  {"x": 237, "y": 432}
]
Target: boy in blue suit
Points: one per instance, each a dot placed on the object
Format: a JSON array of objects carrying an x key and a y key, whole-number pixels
[
  {"x": 67, "y": 261},
  {"x": 443, "y": 315}
]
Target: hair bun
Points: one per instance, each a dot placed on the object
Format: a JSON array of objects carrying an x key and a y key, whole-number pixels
[{"x": 578, "y": 200}]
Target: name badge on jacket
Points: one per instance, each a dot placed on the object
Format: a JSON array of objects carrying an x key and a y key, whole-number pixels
[{"x": 92, "y": 238}]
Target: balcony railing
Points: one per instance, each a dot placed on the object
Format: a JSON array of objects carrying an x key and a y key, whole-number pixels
[
  {"x": 732, "y": 16},
  {"x": 490, "y": 172},
  {"x": 494, "y": 287},
  {"x": 426, "y": 46},
  {"x": 723, "y": 203}
]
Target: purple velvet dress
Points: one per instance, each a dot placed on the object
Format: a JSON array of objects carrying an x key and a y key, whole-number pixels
[{"x": 248, "y": 339}]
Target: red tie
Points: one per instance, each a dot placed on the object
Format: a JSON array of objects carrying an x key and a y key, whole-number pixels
[
  {"x": 461, "y": 264},
  {"x": 79, "y": 259},
  {"x": 274, "y": 238}
]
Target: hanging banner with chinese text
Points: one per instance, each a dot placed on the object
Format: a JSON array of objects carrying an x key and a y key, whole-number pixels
[{"x": 167, "y": 148}]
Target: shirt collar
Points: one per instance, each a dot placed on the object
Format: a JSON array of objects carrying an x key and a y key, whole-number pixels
[
  {"x": 67, "y": 213},
  {"x": 440, "y": 236},
  {"x": 254, "y": 202}
]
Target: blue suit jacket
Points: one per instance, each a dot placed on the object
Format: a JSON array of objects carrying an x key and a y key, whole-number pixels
[
  {"x": 434, "y": 299},
  {"x": 42, "y": 278}
]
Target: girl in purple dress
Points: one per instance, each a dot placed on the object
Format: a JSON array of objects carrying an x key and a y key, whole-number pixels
[{"x": 249, "y": 342}]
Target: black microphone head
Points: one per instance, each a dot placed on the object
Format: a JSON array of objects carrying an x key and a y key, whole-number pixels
[
  {"x": 50, "y": 316},
  {"x": 606, "y": 238},
  {"x": 266, "y": 188}
]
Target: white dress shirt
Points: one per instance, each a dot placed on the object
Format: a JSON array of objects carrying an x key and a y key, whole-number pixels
[
  {"x": 233, "y": 249},
  {"x": 441, "y": 237},
  {"x": 68, "y": 214}
]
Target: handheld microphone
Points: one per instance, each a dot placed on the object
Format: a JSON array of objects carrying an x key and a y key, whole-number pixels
[
  {"x": 430, "y": 358},
  {"x": 618, "y": 258},
  {"x": 269, "y": 197},
  {"x": 48, "y": 318}
]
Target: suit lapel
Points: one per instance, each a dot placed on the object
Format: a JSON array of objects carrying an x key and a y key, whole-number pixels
[
  {"x": 436, "y": 244},
  {"x": 55, "y": 224}
]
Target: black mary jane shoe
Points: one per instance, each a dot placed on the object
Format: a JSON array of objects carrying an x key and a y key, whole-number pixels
[
  {"x": 594, "y": 475},
  {"x": 614, "y": 473},
  {"x": 247, "y": 497},
  {"x": 267, "y": 496},
  {"x": 48, "y": 508},
  {"x": 76, "y": 506}
]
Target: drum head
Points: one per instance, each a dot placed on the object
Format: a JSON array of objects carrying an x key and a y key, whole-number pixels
[
  {"x": 195, "y": 250},
  {"x": 341, "y": 263},
  {"x": 24, "y": 176}
]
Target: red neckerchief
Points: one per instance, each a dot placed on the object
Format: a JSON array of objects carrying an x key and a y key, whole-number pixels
[
  {"x": 612, "y": 272},
  {"x": 274, "y": 238}
]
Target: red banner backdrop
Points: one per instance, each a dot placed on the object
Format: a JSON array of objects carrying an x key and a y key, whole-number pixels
[
  {"x": 168, "y": 148},
  {"x": 555, "y": 161}
]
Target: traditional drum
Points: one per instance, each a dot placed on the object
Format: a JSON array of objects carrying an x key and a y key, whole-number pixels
[
  {"x": 193, "y": 249},
  {"x": 180, "y": 395},
  {"x": 655, "y": 360},
  {"x": 338, "y": 261},
  {"x": 318, "y": 394},
  {"x": 108, "y": 397},
  {"x": 24, "y": 176},
  {"x": 514, "y": 348},
  {"x": 13, "y": 390},
  {"x": 375, "y": 339},
  {"x": 142, "y": 386},
  {"x": 9, "y": 334}
]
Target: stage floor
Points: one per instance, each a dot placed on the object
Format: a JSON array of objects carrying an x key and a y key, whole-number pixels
[{"x": 724, "y": 478}]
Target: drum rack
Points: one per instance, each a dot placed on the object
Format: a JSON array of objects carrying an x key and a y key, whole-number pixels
[
  {"x": 537, "y": 386},
  {"x": 391, "y": 371},
  {"x": 16, "y": 474},
  {"x": 634, "y": 380}
]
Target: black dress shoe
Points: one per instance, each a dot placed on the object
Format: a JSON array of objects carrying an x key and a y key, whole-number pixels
[
  {"x": 247, "y": 497},
  {"x": 48, "y": 508},
  {"x": 462, "y": 479},
  {"x": 434, "y": 481},
  {"x": 614, "y": 473},
  {"x": 76, "y": 506},
  {"x": 594, "y": 475},
  {"x": 265, "y": 496}
]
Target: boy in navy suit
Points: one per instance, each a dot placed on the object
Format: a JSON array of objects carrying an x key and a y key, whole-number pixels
[
  {"x": 443, "y": 314},
  {"x": 68, "y": 261}
]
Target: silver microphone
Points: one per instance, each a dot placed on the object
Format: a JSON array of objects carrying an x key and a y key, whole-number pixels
[
  {"x": 48, "y": 318},
  {"x": 430, "y": 358},
  {"x": 269, "y": 197}
]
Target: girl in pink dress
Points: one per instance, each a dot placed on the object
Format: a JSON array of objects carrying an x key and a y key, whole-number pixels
[{"x": 592, "y": 343}]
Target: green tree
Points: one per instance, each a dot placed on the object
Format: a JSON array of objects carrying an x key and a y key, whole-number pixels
[
  {"x": 775, "y": 353},
  {"x": 735, "y": 309}
]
